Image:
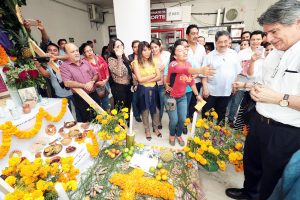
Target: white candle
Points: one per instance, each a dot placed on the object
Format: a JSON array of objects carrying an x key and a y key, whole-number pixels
[
  {"x": 130, "y": 122},
  {"x": 194, "y": 124},
  {"x": 62, "y": 195}
]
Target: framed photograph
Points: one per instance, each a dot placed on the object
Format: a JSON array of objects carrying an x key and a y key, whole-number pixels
[
  {"x": 236, "y": 33},
  {"x": 112, "y": 32},
  {"x": 28, "y": 95}
]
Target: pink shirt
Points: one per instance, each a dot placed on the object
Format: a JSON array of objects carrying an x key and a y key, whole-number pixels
[
  {"x": 82, "y": 74},
  {"x": 182, "y": 79}
]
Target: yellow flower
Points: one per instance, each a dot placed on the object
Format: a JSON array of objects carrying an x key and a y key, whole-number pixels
[
  {"x": 221, "y": 165},
  {"x": 72, "y": 185},
  {"x": 114, "y": 112},
  {"x": 125, "y": 110},
  {"x": 197, "y": 140},
  {"x": 206, "y": 126},
  {"x": 203, "y": 161},
  {"x": 238, "y": 146},
  {"x": 104, "y": 122},
  {"x": 126, "y": 116},
  {"x": 121, "y": 121},
  {"x": 206, "y": 134},
  {"x": 191, "y": 154},
  {"x": 117, "y": 129},
  {"x": 206, "y": 113},
  {"x": 11, "y": 180},
  {"x": 186, "y": 149}
]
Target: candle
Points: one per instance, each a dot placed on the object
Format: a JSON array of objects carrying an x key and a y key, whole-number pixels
[
  {"x": 62, "y": 195},
  {"x": 130, "y": 122},
  {"x": 194, "y": 124}
]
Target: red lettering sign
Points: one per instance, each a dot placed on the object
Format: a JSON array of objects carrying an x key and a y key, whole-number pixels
[{"x": 158, "y": 15}]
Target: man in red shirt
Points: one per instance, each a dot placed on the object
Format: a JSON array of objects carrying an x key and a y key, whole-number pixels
[{"x": 78, "y": 73}]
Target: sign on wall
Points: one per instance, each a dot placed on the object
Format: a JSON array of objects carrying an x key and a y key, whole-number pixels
[
  {"x": 174, "y": 14},
  {"x": 158, "y": 15}
]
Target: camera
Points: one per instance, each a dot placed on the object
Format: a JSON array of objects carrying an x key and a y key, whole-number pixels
[{"x": 44, "y": 59}]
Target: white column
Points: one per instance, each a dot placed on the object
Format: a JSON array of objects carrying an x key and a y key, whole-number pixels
[{"x": 132, "y": 19}]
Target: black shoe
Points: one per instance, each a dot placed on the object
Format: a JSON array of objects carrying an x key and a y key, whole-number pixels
[
  {"x": 159, "y": 126},
  {"x": 236, "y": 193},
  {"x": 185, "y": 130},
  {"x": 138, "y": 119}
]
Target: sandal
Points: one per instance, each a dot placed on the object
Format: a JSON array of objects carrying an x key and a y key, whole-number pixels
[
  {"x": 158, "y": 134},
  {"x": 148, "y": 136},
  {"x": 172, "y": 141},
  {"x": 180, "y": 141}
]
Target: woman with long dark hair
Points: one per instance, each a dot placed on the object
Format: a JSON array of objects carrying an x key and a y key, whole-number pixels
[
  {"x": 179, "y": 76},
  {"x": 147, "y": 73},
  {"x": 121, "y": 75}
]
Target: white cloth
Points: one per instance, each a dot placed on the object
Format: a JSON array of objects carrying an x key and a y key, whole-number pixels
[
  {"x": 227, "y": 67},
  {"x": 278, "y": 79},
  {"x": 196, "y": 59}
]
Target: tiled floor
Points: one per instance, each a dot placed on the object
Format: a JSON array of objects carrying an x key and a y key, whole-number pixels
[{"x": 214, "y": 183}]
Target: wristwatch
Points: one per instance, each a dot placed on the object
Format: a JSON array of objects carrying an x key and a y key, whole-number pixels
[{"x": 284, "y": 102}]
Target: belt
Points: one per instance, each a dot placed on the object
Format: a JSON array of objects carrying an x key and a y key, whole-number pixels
[{"x": 269, "y": 121}]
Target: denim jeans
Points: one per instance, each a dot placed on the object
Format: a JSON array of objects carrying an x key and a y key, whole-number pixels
[
  {"x": 177, "y": 116},
  {"x": 188, "y": 100},
  {"x": 136, "y": 113},
  {"x": 161, "y": 92},
  {"x": 234, "y": 104},
  {"x": 105, "y": 103}
]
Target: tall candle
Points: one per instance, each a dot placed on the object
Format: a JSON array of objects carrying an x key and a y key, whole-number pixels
[
  {"x": 130, "y": 122},
  {"x": 194, "y": 124},
  {"x": 62, "y": 195}
]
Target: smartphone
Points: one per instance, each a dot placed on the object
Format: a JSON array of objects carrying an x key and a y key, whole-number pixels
[
  {"x": 260, "y": 49},
  {"x": 32, "y": 22},
  {"x": 44, "y": 59}
]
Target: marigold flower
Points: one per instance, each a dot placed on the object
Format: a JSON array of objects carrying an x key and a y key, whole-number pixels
[{"x": 114, "y": 112}]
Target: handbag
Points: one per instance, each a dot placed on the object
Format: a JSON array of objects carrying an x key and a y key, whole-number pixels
[{"x": 102, "y": 92}]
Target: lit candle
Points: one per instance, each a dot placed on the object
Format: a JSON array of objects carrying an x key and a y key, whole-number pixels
[
  {"x": 130, "y": 122},
  {"x": 62, "y": 195},
  {"x": 194, "y": 124}
]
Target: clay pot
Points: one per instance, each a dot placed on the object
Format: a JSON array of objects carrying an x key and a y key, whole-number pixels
[{"x": 26, "y": 108}]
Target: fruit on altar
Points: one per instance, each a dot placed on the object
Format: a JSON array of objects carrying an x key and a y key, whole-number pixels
[
  {"x": 159, "y": 165},
  {"x": 166, "y": 155},
  {"x": 152, "y": 169},
  {"x": 128, "y": 158},
  {"x": 112, "y": 153}
]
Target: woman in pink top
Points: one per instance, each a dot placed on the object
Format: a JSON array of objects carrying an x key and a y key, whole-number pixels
[
  {"x": 179, "y": 76},
  {"x": 99, "y": 64}
]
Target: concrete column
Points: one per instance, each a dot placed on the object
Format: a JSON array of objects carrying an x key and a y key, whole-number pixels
[{"x": 132, "y": 19}]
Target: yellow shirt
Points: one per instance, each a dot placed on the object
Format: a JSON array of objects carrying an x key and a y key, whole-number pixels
[{"x": 146, "y": 70}]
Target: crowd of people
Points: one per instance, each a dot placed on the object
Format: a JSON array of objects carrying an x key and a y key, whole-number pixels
[{"x": 255, "y": 85}]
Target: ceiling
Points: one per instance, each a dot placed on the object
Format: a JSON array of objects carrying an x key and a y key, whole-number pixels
[{"x": 109, "y": 3}]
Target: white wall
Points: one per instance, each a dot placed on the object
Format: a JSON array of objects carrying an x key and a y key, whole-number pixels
[
  {"x": 63, "y": 22},
  {"x": 249, "y": 11}
]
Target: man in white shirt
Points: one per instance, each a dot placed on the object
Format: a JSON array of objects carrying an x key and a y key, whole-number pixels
[
  {"x": 275, "y": 125},
  {"x": 196, "y": 55},
  {"x": 217, "y": 89}
]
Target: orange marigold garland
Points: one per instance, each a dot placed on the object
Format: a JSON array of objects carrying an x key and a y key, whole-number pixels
[
  {"x": 3, "y": 56},
  {"x": 8, "y": 129},
  {"x": 93, "y": 148},
  {"x": 134, "y": 182}
]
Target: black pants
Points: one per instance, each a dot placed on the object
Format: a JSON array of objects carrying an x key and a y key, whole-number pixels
[
  {"x": 193, "y": 101},
  {"x": 122, "y": 95},
  {"x": 219, "y": 104},
  {"x": 268, "y": 148},
  {"x": 82, "y": 106}
]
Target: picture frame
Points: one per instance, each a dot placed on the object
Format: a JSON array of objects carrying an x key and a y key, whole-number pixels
[
  {"x": 28, "y": 95},
  {"x": 236, "y": 33},
  {"x": 112, "y": 32}
]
